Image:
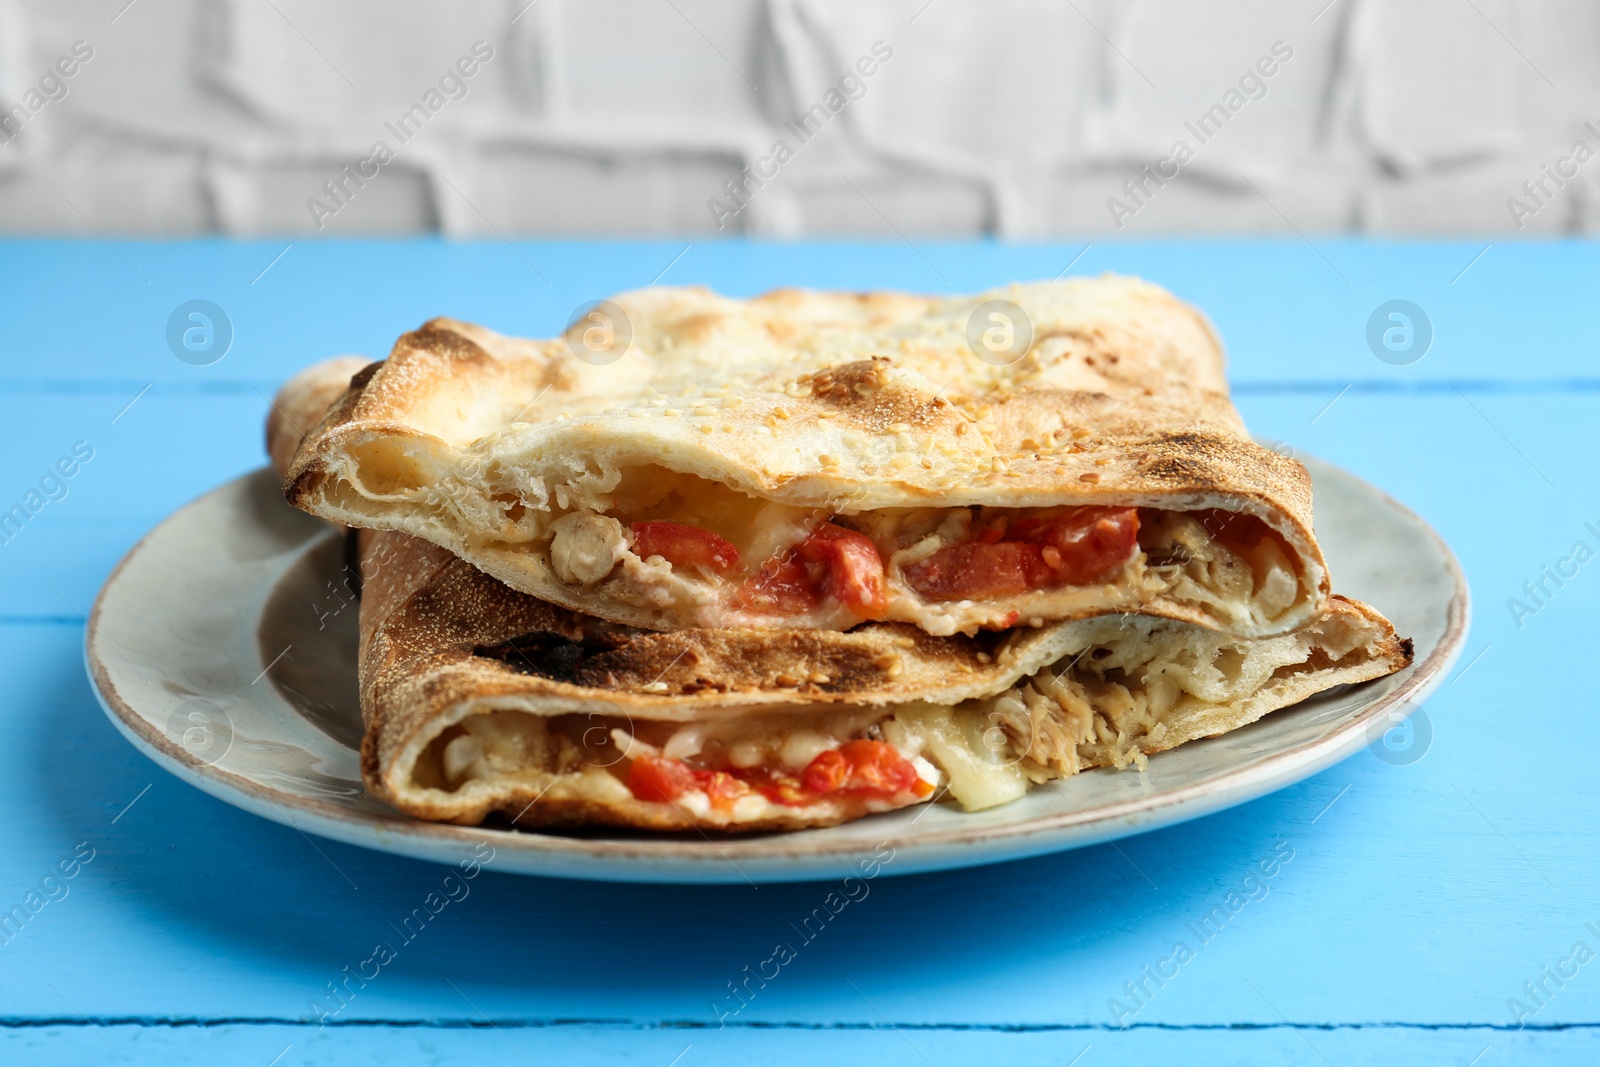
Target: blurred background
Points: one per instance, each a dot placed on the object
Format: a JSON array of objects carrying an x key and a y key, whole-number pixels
[{"x": 1016, "y": 118}]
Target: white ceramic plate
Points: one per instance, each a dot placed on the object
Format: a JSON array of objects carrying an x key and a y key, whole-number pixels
[{"x": 224, "y": 647}]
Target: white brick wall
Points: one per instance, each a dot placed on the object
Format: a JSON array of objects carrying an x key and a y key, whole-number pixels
[{"x": 1014, "y": 117}]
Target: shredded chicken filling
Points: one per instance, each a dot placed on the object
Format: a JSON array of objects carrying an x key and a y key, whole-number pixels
[
  {"x": 676, "y": 542},
  {"x": 1116, "y": 702},
  {"x": 732, "y": 770}
]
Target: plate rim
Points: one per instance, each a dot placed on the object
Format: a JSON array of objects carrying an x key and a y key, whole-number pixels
[{"x": 784, "y": 856}]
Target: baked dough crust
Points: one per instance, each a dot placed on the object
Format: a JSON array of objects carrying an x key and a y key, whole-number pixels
[
  {"x": 434, "y": 654},
  {"x": 842, "y": 403}
]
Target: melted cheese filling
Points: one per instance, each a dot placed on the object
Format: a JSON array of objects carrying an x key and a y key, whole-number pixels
[
  {"x": 1240, "y": 577},
  {"x": 588, "y": 756},
  {"x": 1115, "y": 702}
]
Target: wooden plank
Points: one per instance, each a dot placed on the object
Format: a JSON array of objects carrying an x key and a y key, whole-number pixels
[
  {"x": 380, "y": 1046},
  {"x": 1289, "y": 312},
  {"x": 1418, "y": 896},
  {"x": 1423, "y": 894}
]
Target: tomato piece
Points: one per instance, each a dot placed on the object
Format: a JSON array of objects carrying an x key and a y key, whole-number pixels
[
  {"x": 780, "y": 587},
  {"x": 1091, "y": 543},
  {"x": 859, "y": 768},
  {"x": 827, "y": 772},
  {"x": 853, "y": 569},
  {"x": 663, "y": 780},
  {"x": 863, "y": 768},
  {"x": 831, "y": 563},
  {"x": 978, "y": 571},
  {"x": 782, "y": 789},
  {"x": 992, "y": 532},
  {"x": 1077, "y": 547},
  {"x": 878, "y": 767},
  {"x": 683, "y": 545},
  {"x": 660, "y": 780},
  {"x": 722, "y": 787}
]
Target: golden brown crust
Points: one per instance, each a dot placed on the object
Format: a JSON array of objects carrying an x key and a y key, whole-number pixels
[
  {"x": 442, "y": 653},
  {"x": 818, "y": 400},
  {"x": 1379, "y": 653},
  {"x": 303, "y": 400},
  {"x": 439, "y": 642}
]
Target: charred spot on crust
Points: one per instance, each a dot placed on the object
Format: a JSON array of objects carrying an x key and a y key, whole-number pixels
[
  {"x": 864, "y": 391},
  {"x": 551, "y": 655},
  {"x": 1173, "y": 468}
]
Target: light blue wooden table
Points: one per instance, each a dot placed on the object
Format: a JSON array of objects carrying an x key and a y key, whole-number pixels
[{"x": 1420, "y": 898}]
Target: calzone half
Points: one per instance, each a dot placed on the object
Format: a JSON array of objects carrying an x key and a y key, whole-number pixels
[
  {"x": 483, "y": 702},
  {"x": 820, "y": 460}
]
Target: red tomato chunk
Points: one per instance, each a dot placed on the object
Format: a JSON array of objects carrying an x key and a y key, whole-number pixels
[
  {"x": 831, "y": 563},
  {"x": 683, "y": 545},
  {"x": 1080, "y": 546},
  {"x": 852, "y": 570},
  {"x": 870, "y": 769}
]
